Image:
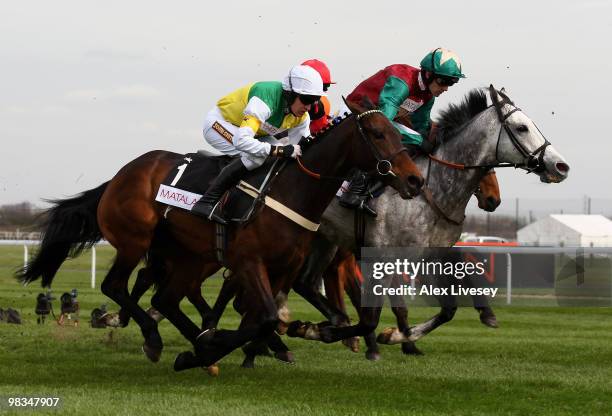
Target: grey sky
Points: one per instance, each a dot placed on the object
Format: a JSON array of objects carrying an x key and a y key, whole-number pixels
[{"x": 86, "y": 86}]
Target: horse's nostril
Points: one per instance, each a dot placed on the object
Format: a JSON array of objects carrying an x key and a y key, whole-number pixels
[
  {"x": 562, "y": 167},
  {"x": 415, "y": 181},
  {"x": 493, "y": 202}
]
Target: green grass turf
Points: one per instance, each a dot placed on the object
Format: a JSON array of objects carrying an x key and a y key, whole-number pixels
[{"x": 541, "y": 361}]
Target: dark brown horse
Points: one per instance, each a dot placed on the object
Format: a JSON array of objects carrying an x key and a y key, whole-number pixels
[{"x": 264, "y": 254}]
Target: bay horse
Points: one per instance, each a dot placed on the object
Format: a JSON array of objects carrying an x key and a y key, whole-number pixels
[
  {"x": 488, "y": 193},
  {"x": 264, "y": 253}
]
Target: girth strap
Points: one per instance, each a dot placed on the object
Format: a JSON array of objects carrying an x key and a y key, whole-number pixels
[{"x": 278, "y": 207}]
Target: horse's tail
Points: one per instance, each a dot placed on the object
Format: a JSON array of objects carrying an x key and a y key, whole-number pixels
[{"x": 70, "y": 226}]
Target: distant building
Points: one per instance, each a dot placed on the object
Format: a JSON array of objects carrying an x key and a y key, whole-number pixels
[{"x": 568, "y": 231}]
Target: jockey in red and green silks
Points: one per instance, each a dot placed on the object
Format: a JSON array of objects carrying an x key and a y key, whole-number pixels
[{"x": 412, "y": 89}]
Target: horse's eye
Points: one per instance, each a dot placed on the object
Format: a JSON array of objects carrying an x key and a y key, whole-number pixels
[
  {"x": 378, "y": 134},
  {"x": 522, "y": 128}
]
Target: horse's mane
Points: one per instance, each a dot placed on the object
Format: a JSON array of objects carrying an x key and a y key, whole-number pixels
[
  {"x": 333, "y": 123},
  {"x": 456, "y": 115},
  {"x": 331, "y": 126}
]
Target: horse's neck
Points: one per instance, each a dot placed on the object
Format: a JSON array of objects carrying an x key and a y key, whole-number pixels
[
  {"x": 329, "y": 158},
  {"x": 474, "y": 145},
  {"x": 415, "y": 223}
]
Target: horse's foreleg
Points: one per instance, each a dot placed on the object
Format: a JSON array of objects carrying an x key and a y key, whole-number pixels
[
  {"x": 481, "y": 304},
  {"x": 368, "y": 321},
  {"x": 400, "y": 310},
  {"x": 258, "y": 322},
  {"x": 316, "y": 268},
  {"x": 186, "y": 278},
  {"x": 194, "y": 294},
  {"x": 448, "y": 309},
  {"x": 274, "y": 343},
  {"x": 228, "y": 291}
]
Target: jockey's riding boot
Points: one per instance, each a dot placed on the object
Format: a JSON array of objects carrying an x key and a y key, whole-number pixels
[
  {"x": 357, "y": 195},
  {"x": 229, "y": 176}
]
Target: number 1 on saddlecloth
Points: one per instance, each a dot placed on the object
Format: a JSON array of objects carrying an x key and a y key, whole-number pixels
[{"x": 181, "y": 169}]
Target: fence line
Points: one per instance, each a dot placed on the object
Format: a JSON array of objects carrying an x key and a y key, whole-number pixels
[
  {"x": 507, "y": 250},
  {"x": 26, "y": 253}
]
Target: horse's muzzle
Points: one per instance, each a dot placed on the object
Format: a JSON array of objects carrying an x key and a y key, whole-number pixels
[{"x": 414, "y": 184}]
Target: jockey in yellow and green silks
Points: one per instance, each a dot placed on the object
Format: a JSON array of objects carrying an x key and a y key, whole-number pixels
[{"x": 257, "y": 121}]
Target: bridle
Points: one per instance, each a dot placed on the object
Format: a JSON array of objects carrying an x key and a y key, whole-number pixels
[
  {"x": 533, "y": 161},
  {"x": 384, "y": 164}
]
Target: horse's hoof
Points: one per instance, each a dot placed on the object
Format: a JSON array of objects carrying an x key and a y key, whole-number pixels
[
  {"x": 185, "y": 361},
  {"x": 153, "y": 354},
  {"x": 490, "y": 321},
  {"x": 372, "y": 355},
  {"x": 248, "y": 362},
  {"x": 212, "y": 370},
  {"x": 124, "y": 319},
  {"x": 410, "y": 348},
  {"x": 352, "y": 343},
  {"x": 385, "y": 336},
  {"x": 282, "y": 327},
  {"x": 296, "y": 329},
  {"x": 285, "y": 357},
  {"x": 113, "y": 320}
]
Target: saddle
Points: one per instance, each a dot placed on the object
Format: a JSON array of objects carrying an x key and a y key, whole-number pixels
[{"x": 186, "y": 184}]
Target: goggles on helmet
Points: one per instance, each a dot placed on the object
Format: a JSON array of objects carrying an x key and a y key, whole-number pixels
[
  {"x": 308, "y": 99},
  {"x": 446, "y": 81}
]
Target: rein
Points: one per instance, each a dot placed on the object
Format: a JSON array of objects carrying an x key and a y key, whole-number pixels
[{"x": 384, "y": 164}]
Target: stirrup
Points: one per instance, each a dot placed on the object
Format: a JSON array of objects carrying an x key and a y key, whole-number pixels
[
  {"x": 207, "y": 210},
  {"x": 365, "y": 207}
]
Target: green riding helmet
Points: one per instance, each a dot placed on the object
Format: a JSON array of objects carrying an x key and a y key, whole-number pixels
[{"x": 443, "y": 62}]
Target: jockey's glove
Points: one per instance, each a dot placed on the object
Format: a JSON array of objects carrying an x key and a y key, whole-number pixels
[{"x": 291, "y": 150}]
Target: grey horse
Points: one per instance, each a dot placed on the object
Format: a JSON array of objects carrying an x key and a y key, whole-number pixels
[{"x": 476, "y": 136}]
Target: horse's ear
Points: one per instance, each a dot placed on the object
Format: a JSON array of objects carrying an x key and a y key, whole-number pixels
[
  {"x": 507, "y": 99},
  {"x": 354, "y": 107},
  {"x": 493, "y": 93},
  {"x": 496, "y": 101}
]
